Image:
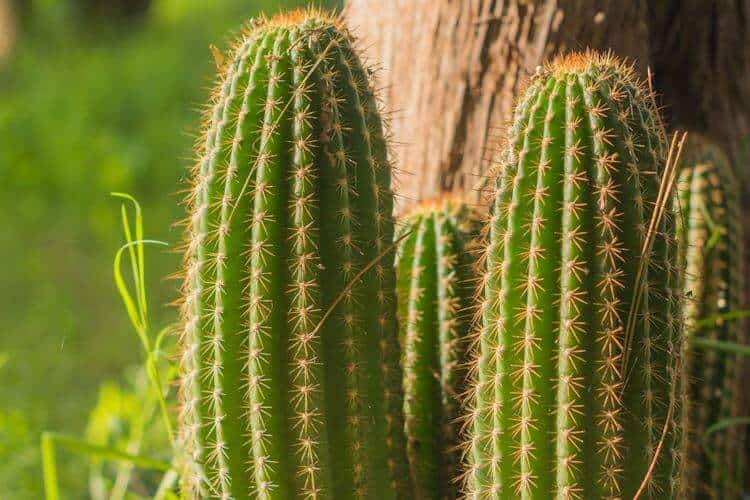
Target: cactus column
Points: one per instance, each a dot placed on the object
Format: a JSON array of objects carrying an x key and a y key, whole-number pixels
[
  {"x": 577, "y": 380},
  {"x": 711, "y": 253},
  {"x": 290, "y": 385},
  {"x": 436, "y": 281}
]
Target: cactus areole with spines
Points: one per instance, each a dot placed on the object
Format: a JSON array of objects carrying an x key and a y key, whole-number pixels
[
  {"x": 290, "y": 360},
  {"x": 436, "y": 275},
  {"x": 711, "y": 251},
  {"x": 577, "y": 381}
]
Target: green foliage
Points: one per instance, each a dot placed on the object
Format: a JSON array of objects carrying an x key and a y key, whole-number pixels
[
  {"x": 578, "y": 388},
  {"x": 17, "y": 452},
  {"x": 85, "y": 110},
  {"x": 711, "y": 254},
  {"x": 126, "y": 417},
  {"x": 436, "y": 281},
  {"x": 290, "y": 355},
  {"x": 123, "y": 423}
]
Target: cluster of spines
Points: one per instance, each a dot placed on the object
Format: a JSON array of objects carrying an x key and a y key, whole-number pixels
[
  {"x": 576, "y": 385},
  {"x": 712, "y": 257},
  {"x": 288, "y": 244},
  {"x": 436, "y": 278}
]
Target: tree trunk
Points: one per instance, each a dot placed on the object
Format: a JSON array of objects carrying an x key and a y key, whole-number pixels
[{"x": 451, "y": 68}]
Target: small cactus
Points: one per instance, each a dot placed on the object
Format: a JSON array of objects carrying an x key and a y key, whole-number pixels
[
  {"x": 578, "y": 381},
  {"x": 436, "y": 283},
  {"x": 290, "y": 356},
  {"x": 711, "y": 254}
]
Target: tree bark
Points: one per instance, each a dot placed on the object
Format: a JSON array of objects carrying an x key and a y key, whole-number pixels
[
  {"x": 450, "y": 69},
  {"x": 700, "y": 53}
]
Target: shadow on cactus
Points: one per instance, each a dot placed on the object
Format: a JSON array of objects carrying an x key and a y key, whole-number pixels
[
  {"x": 436, "y": 278},
  {"x": 290, "y": 356},
  {"x": 578, "y": 377},
  {"x": 711, "y": 253}
]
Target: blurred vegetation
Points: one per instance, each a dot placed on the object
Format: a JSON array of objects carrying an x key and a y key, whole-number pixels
[{"x": 90, "y": 104}]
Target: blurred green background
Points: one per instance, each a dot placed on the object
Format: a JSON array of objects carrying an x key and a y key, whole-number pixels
[{"x": 95, "y": 96}]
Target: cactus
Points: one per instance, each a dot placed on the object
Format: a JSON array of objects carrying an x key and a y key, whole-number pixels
[
  {"x": 711, "y": 253},
  {"x": 290, "y": 356},
  {"x": 577, "y": 383},
  {"x": 436, "y": 280}
]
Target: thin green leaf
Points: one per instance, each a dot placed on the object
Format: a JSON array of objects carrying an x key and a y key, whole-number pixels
[
  {"x": 130, "y": 305},
  {"x": 720, "y": 345},
  {"x": 49, "y": 468},
  {"x": 163, "y": 333},
  {"x": 137, "y": 254},
  {"x": 134, "y": 313},
  {"x": 729, "y": 316}
]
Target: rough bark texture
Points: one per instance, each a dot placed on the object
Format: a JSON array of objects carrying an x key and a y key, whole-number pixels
[{"x": 451, "y": 69}]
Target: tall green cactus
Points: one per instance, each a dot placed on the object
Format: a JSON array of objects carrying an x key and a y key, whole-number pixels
[
  {"x": 577, "y": 384},
  {"x": 711, "y": 252},
  {"x": 291, "y": 379},
  {"x": 436, "y": 282}
]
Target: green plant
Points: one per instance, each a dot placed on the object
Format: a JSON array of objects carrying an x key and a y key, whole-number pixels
[
  {"x": 117, "y": 425},
  {"x": 291, "y": 382},
  {"x": 435, "y": 287},
  {"x": 577, "y": 389},
  {"x": 126, "y": 417},
  {"x": 711, "y": 253}
]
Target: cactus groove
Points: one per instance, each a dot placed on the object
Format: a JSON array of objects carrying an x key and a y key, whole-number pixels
[
  {"x": 436, "y": 282},
  {"x": 577, "y": 382},
  {"x": 290, "y": 358},
  {"x": 711, "y": 253}
]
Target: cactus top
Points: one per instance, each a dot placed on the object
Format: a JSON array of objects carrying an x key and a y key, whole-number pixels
[{"x": 290, "y": 384}]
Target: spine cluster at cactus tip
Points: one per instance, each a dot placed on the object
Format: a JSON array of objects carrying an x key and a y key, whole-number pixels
[
  {"x": 290, "y": 356},
  {"x": 578, "y": 376},
  {"x": 436, "y": 277},
  {"x": 711, "y": 254}
]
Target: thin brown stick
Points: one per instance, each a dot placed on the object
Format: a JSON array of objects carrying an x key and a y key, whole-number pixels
[
  {"x": 659, "y": 447},
  {"x": 349, "y": 285},
  {"x": 662, "y": 200}
]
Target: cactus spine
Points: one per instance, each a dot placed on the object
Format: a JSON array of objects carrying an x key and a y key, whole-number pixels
[
  {"x": 711, "y": 251},
  {"x": 577, "y": 378},
  {"x": 436, "y": 280},
  {"x": 291, "y": 381}
]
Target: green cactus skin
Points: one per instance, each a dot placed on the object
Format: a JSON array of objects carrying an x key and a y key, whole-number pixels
[
  {"x": 577, "y": 382},
  {"x": 709, "y": 231},
  {"x": 436, "y": 279},
  {"x": 291, "y": 378}
]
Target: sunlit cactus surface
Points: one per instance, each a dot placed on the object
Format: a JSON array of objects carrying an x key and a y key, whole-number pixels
[
  {"x": 577, "y": 381},
  {"x": 290, "y": 357}
]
